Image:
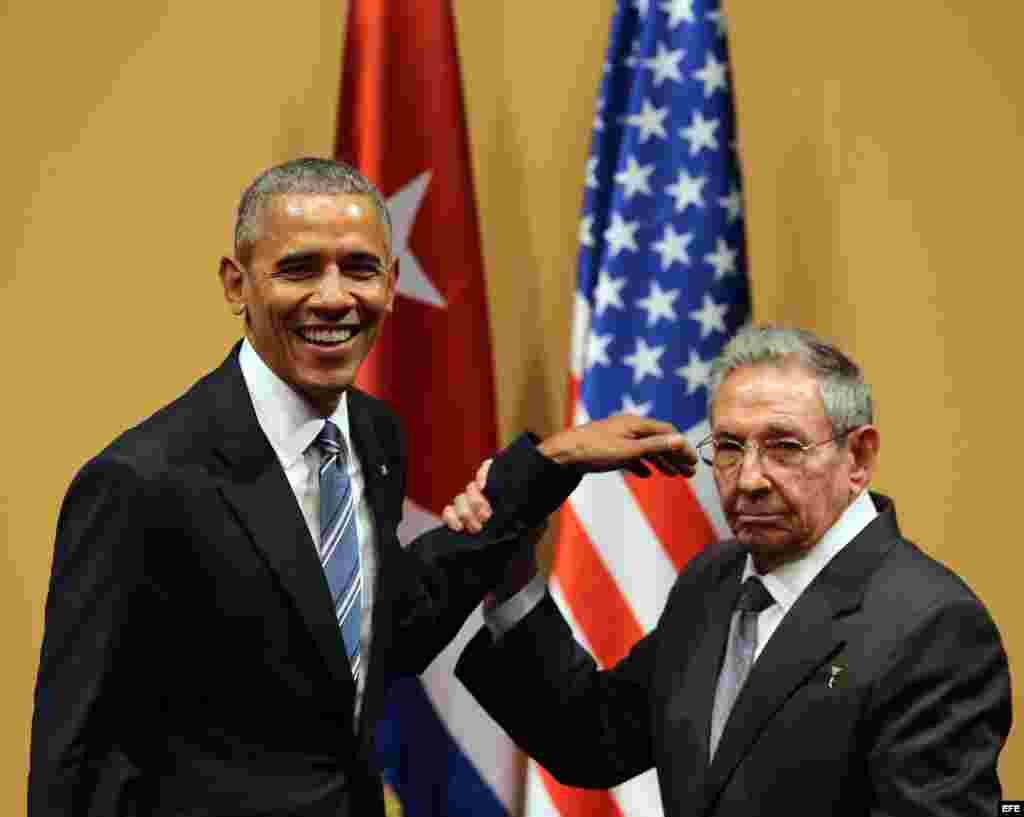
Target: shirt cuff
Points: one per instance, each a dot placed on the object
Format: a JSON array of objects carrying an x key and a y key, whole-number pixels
[{"x": 515, "y": 608}]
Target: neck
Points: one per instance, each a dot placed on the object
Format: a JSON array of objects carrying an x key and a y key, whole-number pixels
[
  {"x": 323, "y": 404},
  {"x": 767, "y": 562}
]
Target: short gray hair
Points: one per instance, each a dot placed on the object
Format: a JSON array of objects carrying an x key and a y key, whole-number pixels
[
  {"x": 845, "y": 395},
  {"x": 309, "y": 175}
]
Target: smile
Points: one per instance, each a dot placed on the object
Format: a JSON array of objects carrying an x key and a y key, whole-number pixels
[{"x": 334, "y": 336}]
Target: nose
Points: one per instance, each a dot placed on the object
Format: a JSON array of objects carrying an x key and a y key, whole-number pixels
[
  {"x": 332, "y": 293},
  {"x": 752, "y": 478}
]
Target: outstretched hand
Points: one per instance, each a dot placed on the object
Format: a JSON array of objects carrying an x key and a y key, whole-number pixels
[{"x": 624, "y": 441}]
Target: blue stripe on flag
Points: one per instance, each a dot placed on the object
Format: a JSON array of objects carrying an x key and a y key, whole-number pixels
[
  {"x": 662, "y": 259},
  {"x": 431, "y": 775}
]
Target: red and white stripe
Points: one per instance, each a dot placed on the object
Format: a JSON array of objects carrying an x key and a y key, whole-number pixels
[{"x": 622, "y": 542}]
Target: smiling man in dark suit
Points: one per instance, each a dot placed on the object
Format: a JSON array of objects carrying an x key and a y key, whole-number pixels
[
  {"x": 229, "y": 600},
  {"x": 819, "y": 663}
]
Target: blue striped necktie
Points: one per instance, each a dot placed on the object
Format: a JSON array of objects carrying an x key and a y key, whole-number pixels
[{"x": 339, "y": 540}]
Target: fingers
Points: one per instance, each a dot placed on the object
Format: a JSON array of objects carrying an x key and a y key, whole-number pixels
[
  {"x": 451, "y": 519},
  {"x": 481, "y": 474},
  {"x": 670, "y": 453},
  {"x": 672, "y": 467},
  {"x": 637, "y": 468},
  {"x": 469, "y": 511},
  {"x": 641, "y": 426},
  {"x": 623, "y": 441},
  {"x": 664, "y": 464},
  {"x": 675, "y": 463},
  {"x": 661, "y": 436}
]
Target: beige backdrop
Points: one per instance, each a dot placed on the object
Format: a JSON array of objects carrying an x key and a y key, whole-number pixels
[{"x": 881, "y": 150}]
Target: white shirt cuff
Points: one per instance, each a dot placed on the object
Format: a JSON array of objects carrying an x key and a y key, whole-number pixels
[{"x": 515, "y": 608}]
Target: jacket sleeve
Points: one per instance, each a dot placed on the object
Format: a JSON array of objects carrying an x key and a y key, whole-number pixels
[
  {"x": 96, "y": 572},
  {"x": 939, "y": 717},
  {"x": 457, "y": 569},
  {"x": 587, "y": 727}
]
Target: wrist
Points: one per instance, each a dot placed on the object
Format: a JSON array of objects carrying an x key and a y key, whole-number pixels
[
  {"x": 555, "y": 448},
  {"x": 520, "y": 570},
  {"x": 517, "y": 577}
]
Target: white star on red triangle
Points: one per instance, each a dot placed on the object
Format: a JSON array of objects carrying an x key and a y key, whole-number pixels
[{"x": 413, "y": 282}]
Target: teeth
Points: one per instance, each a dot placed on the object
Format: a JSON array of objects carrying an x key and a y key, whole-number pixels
[{"x": 339, "y": 335}]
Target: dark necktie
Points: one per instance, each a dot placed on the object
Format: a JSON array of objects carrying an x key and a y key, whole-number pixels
[
  {"x": 739, "y": 655},
  {"x": 339, "y": 540}
]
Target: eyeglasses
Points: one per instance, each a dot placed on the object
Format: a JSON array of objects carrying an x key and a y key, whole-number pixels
[{"x": 784, "y": 452}]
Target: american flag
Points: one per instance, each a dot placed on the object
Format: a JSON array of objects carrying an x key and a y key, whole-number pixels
[{"x": 662, "y": 286}]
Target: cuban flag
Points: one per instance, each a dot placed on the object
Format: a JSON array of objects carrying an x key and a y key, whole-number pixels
[
  {"x": 662, "y": 286},
  {"x": 401, "y": 122}
]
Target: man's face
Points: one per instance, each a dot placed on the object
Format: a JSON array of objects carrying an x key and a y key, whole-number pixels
[
  {"x": 781, "y": 512},
  {"x": 318, "y": 284}
]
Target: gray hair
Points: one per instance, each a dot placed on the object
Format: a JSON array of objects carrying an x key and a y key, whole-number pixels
[
  {"x": 845, "y": 395},
  {"x": 309, "y": 175}
]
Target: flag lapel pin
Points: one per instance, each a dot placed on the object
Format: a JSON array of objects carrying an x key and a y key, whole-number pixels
[{"x": 834, "y": 671}]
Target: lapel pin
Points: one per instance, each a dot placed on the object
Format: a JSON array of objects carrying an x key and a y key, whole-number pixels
[
  {"x": 834, "y": 672},
  {"x": 383, "y": 469}
]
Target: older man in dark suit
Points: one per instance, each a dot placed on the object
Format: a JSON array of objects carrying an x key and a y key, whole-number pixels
[
  {"x": 229, "y": 600},
  {"x": 819, "y": 663}
]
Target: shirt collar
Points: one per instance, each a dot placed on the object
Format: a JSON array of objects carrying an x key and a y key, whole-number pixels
[
  {"x": 788, "y": 581},
  {"x": 289, "y": 422}
]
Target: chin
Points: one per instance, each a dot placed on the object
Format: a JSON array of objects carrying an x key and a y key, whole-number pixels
[
  {"x": 767, "y": 541},
  {"x": 319, "y": 390},
  {"x": 327, "y": 380}
]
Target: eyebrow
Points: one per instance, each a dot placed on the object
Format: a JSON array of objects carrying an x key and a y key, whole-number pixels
[
  {"x": 361, "y": 257},
  {"x": 296, "y": 258},
  {"x": 358, "y": 257},
  {"x": 773, "y": 430}
]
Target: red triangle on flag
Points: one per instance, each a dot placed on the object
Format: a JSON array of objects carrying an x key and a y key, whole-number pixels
[{"x": 401, "y": 122}]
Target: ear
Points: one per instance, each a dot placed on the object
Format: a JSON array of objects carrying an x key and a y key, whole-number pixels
[
  {"x": 864, "y": 444},
  {"x": 392, "y": 284},
  {"x": 232, "y": 278}
]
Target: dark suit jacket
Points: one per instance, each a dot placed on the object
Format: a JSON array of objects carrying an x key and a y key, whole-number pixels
[
  {"x": 191, "y": 662},
  {"x": 912, "y": 723}
]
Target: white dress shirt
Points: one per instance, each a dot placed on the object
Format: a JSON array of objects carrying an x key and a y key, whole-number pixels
[
  {"x": 291, "y": 426},
  {"x": 785, "y": 583}
]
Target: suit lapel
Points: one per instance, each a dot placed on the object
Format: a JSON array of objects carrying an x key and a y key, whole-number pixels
[
  {"x": 256, "y": 489},
  {"x": 382, "y": 474},
  {"x": 807, "y": 637},
  {"x": 803, "y": 641},
  {"x": 705, "y": 622},
  {"x": 380, "y": 470}
]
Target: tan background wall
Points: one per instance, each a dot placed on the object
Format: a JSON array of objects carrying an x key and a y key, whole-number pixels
[{"x": 881, "y": 144}]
